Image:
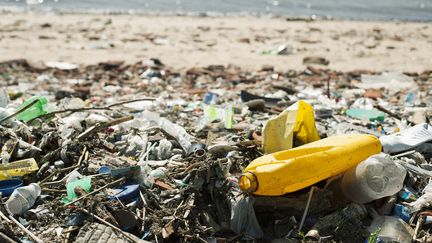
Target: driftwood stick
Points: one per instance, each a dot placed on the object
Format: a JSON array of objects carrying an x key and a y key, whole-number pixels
[{"x": 28, "y": 232}]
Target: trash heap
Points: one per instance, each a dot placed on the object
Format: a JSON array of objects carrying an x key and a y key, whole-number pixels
[{"x": 144, "y": 153}]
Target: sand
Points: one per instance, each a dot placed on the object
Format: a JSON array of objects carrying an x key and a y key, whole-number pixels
[{"x": 186, "y": 41}]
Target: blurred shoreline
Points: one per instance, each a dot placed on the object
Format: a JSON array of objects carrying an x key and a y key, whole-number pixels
[
  {"x": 184, "y": 41},
  {"x": 19, "y": 10},
  {"x": 288, "y": 17},
  {"x": 366, "y": 10}
]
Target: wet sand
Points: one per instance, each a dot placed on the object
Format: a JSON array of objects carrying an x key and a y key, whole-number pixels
[{"x": 186, "y": 41}]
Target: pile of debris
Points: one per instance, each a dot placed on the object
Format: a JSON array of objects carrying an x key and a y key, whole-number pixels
[{"x": 131, "y": 153}]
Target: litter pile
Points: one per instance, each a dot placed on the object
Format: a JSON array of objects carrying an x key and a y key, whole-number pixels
[{"x": 134, "y": 153}]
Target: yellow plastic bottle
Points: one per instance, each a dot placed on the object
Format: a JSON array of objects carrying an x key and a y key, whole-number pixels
[{"x": 294, "y": 169}]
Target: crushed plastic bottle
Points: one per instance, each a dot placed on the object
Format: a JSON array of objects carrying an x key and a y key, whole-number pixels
[
  {"x": 33, "y": 111},
  {"x": 376, "y": 177},
  {"x": 179, "y": 133},
  {"x": 23, "y": 198},
  {"x": 406, "y": 139}
]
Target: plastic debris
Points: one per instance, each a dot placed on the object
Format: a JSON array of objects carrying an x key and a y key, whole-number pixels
[
  {"x": 35, "y": 110},
  {"x": 392, "y": 81},
  {"x": 267, "y": 175},
  {"x": 391, "y": 229},
  {"x": 364, "y": 114},
  {"x": 212, "y": 113},
  {"x": 296, "y": 122},
  {"x": 18, "y": 168},
  {"x": 376, "y": 177},
  {"x": 23, "y": 198},
  {"x": 407, "y": 139},
  {"x": 145, "y": 152}
]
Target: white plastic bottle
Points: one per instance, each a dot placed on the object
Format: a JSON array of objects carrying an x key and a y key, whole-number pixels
[
  {"x": 376, "y": 177},
  {"x": 23, "y": 198}
]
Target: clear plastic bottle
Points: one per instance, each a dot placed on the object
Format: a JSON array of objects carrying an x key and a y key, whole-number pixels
[
  {"x": 376, "y": 177},
  {"x": 23, "y": 198},
  {"x": 148, "y": 176},
  {"x": 391, "y": 229}
]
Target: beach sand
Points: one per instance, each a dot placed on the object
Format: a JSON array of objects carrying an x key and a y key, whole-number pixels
[{"x": 187, "y": 41}]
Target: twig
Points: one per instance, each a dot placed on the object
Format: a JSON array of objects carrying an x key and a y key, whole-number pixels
[
  {"x": 403, "y": 154},
  {"x": 71, "y": 229},
  {"x": 86, "y": 133},
  {"x": 4, "y": 217},
  {"x": 53, "y": 190},
  {"x": 130, "y": 101},
  {"x": 58, "y": 182},
  {"x": 83, "y": 156},
  {"x": 201, "y": 239},
  {"x": 98, "y": 127},
  {"x": 68, "y": 232},
  {"x": 93, "y": 192},
  {"x": 119, "y": 201},
  {"x": 148, "y": 150},
  {"x": 95, "y": 108},
  {"x": 394, "y": 115},
  {"x": 175, "y": 212},
  {"x": 419, "y": 225},
  {"x": 53, "y": 183},
  {"x": 57, "y": 171},
  {"x": 388, "y": 112},
  {"x": 19, "y": 111},
  {"x": 144, "y": 210},
  {"x": 28, "y": 232},
  {"x": 6, "y": 238},
  {"x": 306, "y": 209}
]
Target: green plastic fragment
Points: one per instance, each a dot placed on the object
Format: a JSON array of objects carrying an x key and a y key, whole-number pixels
[
  {"x": 84, "y": 183},
  {"x": 212, "y": 113},
  {"x": 36, "y": 110},
  {"x": 366, "y": 114}
]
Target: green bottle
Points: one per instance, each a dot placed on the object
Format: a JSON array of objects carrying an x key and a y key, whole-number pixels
[{"x": 33, "y": 111}]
